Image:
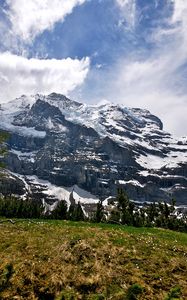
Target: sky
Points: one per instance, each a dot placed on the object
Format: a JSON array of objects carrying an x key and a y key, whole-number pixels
[{"x": 130, "y": 52}]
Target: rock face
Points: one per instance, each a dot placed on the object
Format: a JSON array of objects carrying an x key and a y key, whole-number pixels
[{"x": 96, "y": 148}]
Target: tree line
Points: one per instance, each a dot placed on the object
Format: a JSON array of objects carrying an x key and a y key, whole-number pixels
[
  {"x": 12, "y": 207},
  {"x": 126, "y": 212},
  {"x": 123, "y": 212}
]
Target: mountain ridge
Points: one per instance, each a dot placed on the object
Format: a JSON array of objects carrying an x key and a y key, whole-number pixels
[{"x": 97, "y": 148}]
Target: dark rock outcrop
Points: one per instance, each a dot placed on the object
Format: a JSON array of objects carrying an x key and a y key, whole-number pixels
[{"x": 96, "y": 148}]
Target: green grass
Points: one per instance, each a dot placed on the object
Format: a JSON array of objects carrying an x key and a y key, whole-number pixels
[{"x": 78, "y": 260}]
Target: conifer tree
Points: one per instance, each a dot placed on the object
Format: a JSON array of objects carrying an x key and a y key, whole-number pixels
[
  {"x": 124, "y": 207},
  {"x": 152, "y": 214},
  {"x": 114, "y": 216},
  {"x": 99, "y": 212},
  {"x": 79, "y": 214},
  {"x": 71, "y": 212},
  {"x": 60, "y": 212}
]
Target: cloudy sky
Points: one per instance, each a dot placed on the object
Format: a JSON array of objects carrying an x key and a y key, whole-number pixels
[{"x": 132, "y": 52}]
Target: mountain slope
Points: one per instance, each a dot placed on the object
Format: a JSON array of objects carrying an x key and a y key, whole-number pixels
[{"x": 97, "y": 148}]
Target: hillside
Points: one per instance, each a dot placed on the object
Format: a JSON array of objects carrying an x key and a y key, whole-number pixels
[
  {"x": 58, "y": 145},
  {"x": 66, "y": 260}
]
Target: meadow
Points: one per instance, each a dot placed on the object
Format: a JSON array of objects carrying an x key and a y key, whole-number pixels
[{"x": 79, "y": 260}]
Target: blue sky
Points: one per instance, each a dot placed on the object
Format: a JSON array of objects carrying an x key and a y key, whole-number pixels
[{"x": 131, "y": 52}]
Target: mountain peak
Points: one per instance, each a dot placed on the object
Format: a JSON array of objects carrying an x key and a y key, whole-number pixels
[{"x": 95, "y": 147}]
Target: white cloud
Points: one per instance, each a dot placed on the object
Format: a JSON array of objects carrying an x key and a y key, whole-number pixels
[
  {"x": 31, "y": 17},
  {"x": 128, "y": 9},
  {"x": 20, "y": 75},
  {"x": 177, "y": 25},
  {"x": 155, "y": 82},
  {"x": 180, "y": 10}
]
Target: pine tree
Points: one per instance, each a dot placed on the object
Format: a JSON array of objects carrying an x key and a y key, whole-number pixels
[
  {"x": 99, "y": 212},
  {"x": 152, "y": 214},
  {"x": 79, "y": 214},
  {"x": 76, "y": 213},
  {"x": 60, "y": 212},
  {"x": 71, "y": 212},
  {"x": 125, "y": 207},
  {"x": 114, "y": 216},
  {"x": 173, "y": 203}
]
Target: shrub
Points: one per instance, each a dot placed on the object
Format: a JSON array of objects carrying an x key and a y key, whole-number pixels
[
  {"x": 174, "y": 293},
  {"x": 134, "y": 291}
]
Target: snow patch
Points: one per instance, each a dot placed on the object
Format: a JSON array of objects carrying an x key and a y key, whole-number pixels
[
  {"x": 172, "y": 160},
  {"x": 59, "y": 192},
  {"x": 133, "y": 182},
  {"x": 29, "y": 156}
]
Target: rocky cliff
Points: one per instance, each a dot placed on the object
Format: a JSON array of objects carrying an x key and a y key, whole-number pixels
[{"x": 62, "y": 143}]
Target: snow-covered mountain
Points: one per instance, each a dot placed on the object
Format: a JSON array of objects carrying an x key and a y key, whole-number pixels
[{"x": 96, "y": 148}]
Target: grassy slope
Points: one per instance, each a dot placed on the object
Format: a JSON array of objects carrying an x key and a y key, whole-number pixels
[{"x": 54, "y": 258}]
